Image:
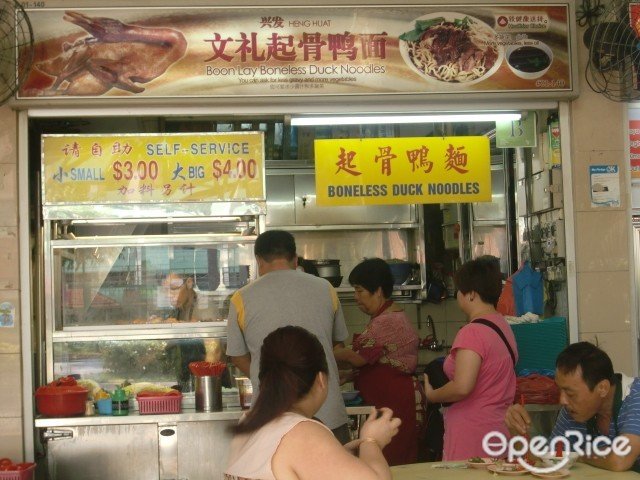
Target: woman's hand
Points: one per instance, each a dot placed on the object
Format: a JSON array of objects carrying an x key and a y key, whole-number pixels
[
  {"x": 380, "y": 428},
  {"x": 428, "y": 389},
  {"x": 345, "y": 376}
]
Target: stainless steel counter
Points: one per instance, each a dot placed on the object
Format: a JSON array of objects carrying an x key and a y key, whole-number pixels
[
  {"x": 187, "y": 415},
  {"x": 189, "y": 444}
]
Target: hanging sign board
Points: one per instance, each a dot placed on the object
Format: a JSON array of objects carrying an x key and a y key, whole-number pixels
[
  {"x": 518, "y": 133},
  {"x": 381, "y": 171},
  {"x": 154, "y": 168},
  {"x": 291, "y": 51}
]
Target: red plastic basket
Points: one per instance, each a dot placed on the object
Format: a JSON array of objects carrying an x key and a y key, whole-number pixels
[
  {"x": 19, "y": 475},
  {"x": 161, "y": 404}
]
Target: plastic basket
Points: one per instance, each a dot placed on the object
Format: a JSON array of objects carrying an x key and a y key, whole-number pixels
[
  {"x": 19, "y": 475},
  {"x": 540, "y": 343},
  {"x": 160, "y": 404}
]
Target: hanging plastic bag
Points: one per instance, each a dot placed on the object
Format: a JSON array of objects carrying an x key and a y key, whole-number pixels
[{"x": 528, "y": 290}]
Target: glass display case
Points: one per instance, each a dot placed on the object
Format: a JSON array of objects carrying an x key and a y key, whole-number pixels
[{"x": 136, "y": 300}]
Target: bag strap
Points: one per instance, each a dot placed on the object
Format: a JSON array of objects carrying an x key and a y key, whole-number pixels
[{"x": 496, "y": 329}]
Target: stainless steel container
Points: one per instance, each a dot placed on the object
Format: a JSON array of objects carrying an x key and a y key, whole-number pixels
[{"x": 208, "y": 394}]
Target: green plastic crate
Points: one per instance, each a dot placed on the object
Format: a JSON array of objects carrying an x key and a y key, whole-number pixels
[{"x": 540, "y": 343}]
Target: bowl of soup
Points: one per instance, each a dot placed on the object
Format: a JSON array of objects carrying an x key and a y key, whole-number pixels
[{"x": 529, "y": 59}]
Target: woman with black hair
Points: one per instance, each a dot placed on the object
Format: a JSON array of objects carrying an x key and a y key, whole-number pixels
[
  {"x": 384, "y": 357},
  {"x": 480, "y": 364},
  {"x": 278, "y": 437}
]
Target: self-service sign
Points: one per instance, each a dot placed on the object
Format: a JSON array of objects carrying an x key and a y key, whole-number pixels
[
  {"x": 380, "y": 171},
  {"x": 153, "y": 168}
]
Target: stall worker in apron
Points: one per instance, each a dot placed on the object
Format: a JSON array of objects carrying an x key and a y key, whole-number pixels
[{"x": 384, "y": 357}]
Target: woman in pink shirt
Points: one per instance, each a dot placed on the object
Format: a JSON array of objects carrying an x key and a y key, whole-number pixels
[{"x": 480, "y": 366}]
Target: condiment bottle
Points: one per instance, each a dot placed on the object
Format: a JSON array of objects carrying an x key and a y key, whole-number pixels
[{"x": 120, "y": 402}]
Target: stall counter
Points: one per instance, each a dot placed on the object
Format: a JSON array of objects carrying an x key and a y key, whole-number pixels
[
  {"x": 189, "y": 444},
  {"x": 187, "y": 415}
]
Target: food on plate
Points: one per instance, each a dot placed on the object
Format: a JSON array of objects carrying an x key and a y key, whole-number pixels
[
  {"x": 458, "y": 50},
  {"x": 511, "y": 467},
  {"x": 476, "y": 460}
]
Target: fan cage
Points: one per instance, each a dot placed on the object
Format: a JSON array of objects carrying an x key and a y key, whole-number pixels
[
  {"x": 613, "y": 68},
  {"x": 16, "y": 48}
]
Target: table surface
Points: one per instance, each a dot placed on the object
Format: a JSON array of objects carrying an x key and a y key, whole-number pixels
[{"x": 458, "y": 471}]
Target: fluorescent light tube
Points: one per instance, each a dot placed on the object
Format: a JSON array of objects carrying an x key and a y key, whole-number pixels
[{"x": 386, "y": 119}]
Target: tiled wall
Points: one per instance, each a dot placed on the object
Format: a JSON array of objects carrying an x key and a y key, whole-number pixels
[
  {"x": 10, "y": 351},
  {"x": 601, "y": 234}
]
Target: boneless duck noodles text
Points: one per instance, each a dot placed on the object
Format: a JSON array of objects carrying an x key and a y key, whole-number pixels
[{"x": 459, "y": 50}]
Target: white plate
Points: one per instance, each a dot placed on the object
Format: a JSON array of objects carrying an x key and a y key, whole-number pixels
[
  {"x": 500, "y": 470},
  {"x": 562, "y": 473},
  {"x": 450, "y": 17},
  {"x": 486, "y": 462}
]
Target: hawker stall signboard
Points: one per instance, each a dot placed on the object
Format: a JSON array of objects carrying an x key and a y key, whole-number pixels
[
  {"x": 379, "y": 171},
  {"x": 285, "y": 51},
  {"x": 154, "y": 168}
]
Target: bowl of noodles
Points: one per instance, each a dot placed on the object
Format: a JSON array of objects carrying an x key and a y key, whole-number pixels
[{"x": 451, "y": 48}]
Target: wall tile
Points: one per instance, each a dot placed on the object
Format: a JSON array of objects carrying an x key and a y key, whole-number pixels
[
  {"x": 9, "y": 258},
  {"x": 452, "y": 331},
  {"x": 8, "y": 136},
  {"x": 603, "y": 301},
  {"x": 454, "y": 314},
  {"x": 601, "y": 241},
  {"x": 582, "y": 180},
  {"x": 11, "y": 391},
  {"x": 10, "y": 336},
  {"x": 8, "y": 195},
  {"x": 595, "y": 120},
  {"x": 11, "y": 438},
  {"x": 618, "y": 345}
]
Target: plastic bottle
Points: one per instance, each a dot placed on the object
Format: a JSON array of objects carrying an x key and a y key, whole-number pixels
[{"x": 120, "y": 402}]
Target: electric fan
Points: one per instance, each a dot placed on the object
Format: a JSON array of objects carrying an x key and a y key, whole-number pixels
[{"x": 16, "y": 47}]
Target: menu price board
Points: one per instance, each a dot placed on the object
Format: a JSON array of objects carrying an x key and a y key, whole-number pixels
[
  {"x": 290, "y": 51},
  {"x": 383, "y": 171},
  {"x": 153, "y": 168}
]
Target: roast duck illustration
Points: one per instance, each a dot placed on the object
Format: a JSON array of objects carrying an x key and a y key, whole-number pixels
[{"x": 116, "y": 55}]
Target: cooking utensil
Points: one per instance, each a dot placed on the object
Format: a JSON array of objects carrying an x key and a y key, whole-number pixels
[
  {"x": 335, "y": 281},
  {"x": 327, "y": 268},
  {"x": 401, "y": 271}
]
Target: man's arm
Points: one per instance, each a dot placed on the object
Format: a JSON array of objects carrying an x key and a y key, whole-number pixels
[
  {"x": 617, "y": 463},
  {"x": 237, "y": 348},
  {"x": 243, "y": 362}
]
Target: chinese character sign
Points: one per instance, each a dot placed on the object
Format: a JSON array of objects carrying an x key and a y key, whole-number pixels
[
  {"x": 379, "y": 171},
  {"x": 313, "y": 50},
  {"x": 153, "y": 168}
]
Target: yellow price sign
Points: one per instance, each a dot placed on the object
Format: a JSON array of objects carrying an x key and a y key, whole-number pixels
[
  {"x": 153, "y": 168},
  {"x": 379, "y": 171}
]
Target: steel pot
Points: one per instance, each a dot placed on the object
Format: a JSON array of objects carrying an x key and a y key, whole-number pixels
[{"x": 327, "y": 268}]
